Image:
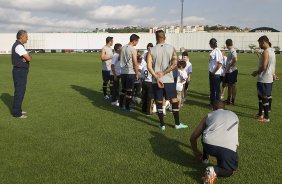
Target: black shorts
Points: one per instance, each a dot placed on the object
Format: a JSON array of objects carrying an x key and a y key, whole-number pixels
[
  {"x": 127, "y": 81},
  {"x": 186, "y": 85},
  {"x": 222, "y": 79},
  {"x": 231, "y": 78},
  {"x": 226, "y": 158},
  {"x": 169, "y": 91},
  {"x": 106, "y": 75},
  {"x": 264, "y": 89}
]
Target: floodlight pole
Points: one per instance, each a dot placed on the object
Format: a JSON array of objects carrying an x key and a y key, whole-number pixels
[{"x": 181, "y": 23}]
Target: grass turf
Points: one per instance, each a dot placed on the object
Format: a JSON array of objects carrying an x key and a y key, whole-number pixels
[{"x": 73, "y": 135}]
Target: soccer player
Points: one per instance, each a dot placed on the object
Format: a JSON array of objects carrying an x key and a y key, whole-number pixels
[
  {"x": 181, "y": 81},
  {"x": 137, "y": 84},
  {"x": 20, "y": 60},
  {"x": 106, "y": 57},
  {"x": 161, "y": 60},
  {"x": 219, "y": 130},
  {"x": 222, "y": 76},
  {"x": 129, "y": 71},
  {"x": 265, "y": 73},
  {"x": 115, "y": 74},
  {"x": 215, "y": 69},
  {"x": 231, "y": 72},
  {"x": 188, "y": 69}
]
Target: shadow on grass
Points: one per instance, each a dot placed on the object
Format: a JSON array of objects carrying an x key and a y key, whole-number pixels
[
  {"x": 97, "y": 100},
  {"x": 8, "y": 100},
  {"x": 170, "y": 150}
]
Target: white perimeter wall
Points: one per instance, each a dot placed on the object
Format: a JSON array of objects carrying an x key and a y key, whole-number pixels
[{"x": 193, "y": 41}]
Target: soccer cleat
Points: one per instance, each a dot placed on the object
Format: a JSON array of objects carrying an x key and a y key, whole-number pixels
[
  {"x": 23, "y": 112},
  {"x": 263, "y": 120},
  {"x": 115, "y": 103},
  {"x": 258, "y": 116},
  {"x": 162, "y": 127},
  {"x": 180, "y": 126},
  {"x": 210, "y": 175},
  {"x": 106, "y": 97},
  {"x": 22, "y": 117}
]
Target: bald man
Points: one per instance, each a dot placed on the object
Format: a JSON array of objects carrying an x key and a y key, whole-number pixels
[{"x": 219, "y": 130}]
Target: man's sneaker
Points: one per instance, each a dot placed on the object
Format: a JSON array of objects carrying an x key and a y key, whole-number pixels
[
  {"x": 263, "y": 120},
  {"x": 162, "y": 127},
  {"x": 106, "y": 97},
  {"x": 115, "y": 103},
  {"x": 22, "y": 117},
  {"x": 180, "y": 126},
  {"x": 210, "y": 175}
]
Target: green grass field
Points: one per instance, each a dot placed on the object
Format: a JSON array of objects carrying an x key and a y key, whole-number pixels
[{"x": 73, "y": 135}]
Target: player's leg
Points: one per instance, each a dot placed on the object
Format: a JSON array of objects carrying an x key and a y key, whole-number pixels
[{"x": 158, "y": 94}]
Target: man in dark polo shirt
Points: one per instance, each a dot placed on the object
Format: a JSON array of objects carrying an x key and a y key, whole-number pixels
[{"x": 20, "y": 61}]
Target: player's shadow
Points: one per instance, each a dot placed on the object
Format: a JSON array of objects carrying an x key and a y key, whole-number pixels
[
  {"x": 8, "y": 100},
  {"x": 97, "y": 100},
  {"x": 195, "y": 99},
  {"x": 173, "y": 151}
]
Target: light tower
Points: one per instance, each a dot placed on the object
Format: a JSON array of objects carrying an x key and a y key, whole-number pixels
[{"x": 181, "y": 23}]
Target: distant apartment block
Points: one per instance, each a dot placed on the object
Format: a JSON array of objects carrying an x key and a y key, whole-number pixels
[{"x": 177, "y": 29}]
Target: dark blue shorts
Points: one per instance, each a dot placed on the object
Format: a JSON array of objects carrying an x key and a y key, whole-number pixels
[
  {"x": 106, "y": 75},
  {"x": 226, "y": 158},
  {"x": 231, "y": 78},
  {"x": 127, "y": 81},
  {"x": 169, "y": 91},
  {"x": 264, "y": 89}
]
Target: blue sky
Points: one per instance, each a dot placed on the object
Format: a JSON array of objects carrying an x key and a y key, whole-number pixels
[{"x": 80, "y": 15}]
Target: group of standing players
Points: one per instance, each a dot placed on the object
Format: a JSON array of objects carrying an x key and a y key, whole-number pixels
[
  {"x": 156, "y": 69},
  {"x": 159, "y": 77}
]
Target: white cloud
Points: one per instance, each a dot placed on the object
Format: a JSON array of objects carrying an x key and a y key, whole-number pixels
[
  {"x": 119, "y": 13},
  {"x": 49, "y": 5}
]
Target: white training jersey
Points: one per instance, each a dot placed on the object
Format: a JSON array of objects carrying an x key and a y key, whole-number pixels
[
  {"x": 116, "y": 63},
  {"x": 140, "y": 74},
  {"x": 146, "y": 75},
  {"x": 215, "y": 59},
  {"x": 181, "y": 79},
  {"x": 223, "y": 65}
]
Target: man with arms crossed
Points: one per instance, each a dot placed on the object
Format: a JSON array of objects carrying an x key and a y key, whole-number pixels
[
  {"x": 161, "y": 61},
  {"x": 20, "y": 61}
]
